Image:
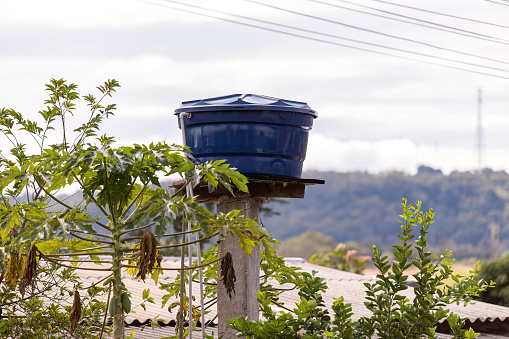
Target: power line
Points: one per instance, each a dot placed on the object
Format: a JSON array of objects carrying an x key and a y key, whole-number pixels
[
  {"x": 314, "y": 39},
  {"x": 420, "y": 20},
  {"x": 416, "y": 41},
  {"x": 460, "y": 31},
  {"x": 353, "y": 40},
  {"x": 442, "y": 14},
  {"x": 393, "y": 19},
  {"x": 364, "y": 42},
  {"x": 498, "y": 3},
  {"x": 479, "y": 134}
]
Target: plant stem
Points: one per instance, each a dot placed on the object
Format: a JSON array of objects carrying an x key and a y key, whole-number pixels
[
  {"x": 116, "y": 299},
  {"x": 106, "y": 311}
]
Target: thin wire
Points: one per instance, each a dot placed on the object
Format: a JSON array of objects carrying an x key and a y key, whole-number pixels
[
  {"x": 498, "y": 3},
  {"x": 364, "y": 42},
  {"x": 420, "y": 20},
  {"x": 502, "y": 41},
  {"x": 182, "y": 286},
  {"x": 182, "y": 263},
  {"x": 321, "y": 40},
  {"x": 414, "y": 23},
  {"x": 189, "y": 193},
  {"x": 443, "y": 14},
  {"x": 189, "y": 190},
  {"x": 359, "y": 41}
]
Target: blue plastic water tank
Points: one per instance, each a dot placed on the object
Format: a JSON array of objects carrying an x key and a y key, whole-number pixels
[{"x": 256, "y": 134}]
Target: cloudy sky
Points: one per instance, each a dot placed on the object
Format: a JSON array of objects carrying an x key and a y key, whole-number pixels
[{"x": 381, "y": 104}]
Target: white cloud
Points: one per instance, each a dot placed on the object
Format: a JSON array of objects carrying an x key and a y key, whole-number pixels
[{"x": 330, "y": 154}]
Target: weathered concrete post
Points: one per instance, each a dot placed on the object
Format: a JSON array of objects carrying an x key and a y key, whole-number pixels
[{"x": 247, "y": 268}]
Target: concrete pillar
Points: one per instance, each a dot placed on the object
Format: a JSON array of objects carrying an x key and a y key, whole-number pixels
[{"x": 247, "y": 269}]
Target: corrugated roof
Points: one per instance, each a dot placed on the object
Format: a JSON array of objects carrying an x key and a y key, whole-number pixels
[
  {"x": 351, "y": 287},
  {"x": 483, "y": 335},
  {"x": 164, "y": 331},
  {"x": 491, "y": 319}
]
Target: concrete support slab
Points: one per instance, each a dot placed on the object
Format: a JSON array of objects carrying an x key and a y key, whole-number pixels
[{"x": 247, "y": 268}]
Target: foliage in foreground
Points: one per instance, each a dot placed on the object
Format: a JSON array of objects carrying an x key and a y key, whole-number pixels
[
  {"x": 122, "y": 183},
  {"x": 45, "y": 313},
  {"x": 394, "y": 314}
]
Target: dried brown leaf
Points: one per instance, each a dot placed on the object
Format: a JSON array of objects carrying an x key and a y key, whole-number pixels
[
  {"x": 228, "y": 274},
  {"x": 148, "y": 251},
  {"x": 30, "y": 271},
  {"x": 75, "y": 315}
]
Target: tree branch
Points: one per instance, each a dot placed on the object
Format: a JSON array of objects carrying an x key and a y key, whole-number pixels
[
  {"x": 51, "y": 195},
  {"x": 64, "y": 204},
  {"x": 91, "y": 240},
  {"x": 92, "y": 248},
  {"x": 91, "y": 196},
  {"x": 78, "y": 254},
  {"x": 132, "y": 203},
  {"x": 177, "y": 269},
  {"x": 82, "y": 261},
  {"x": 137, "y": 228},
  {"x": 98, "y": 234},
  {"x": 188, "y": 243},
  {"x": 110, "y": 203},
  {"x": 106, "y": 311},
  {"x": 180, "y": 233},
  {"x": 44, "y": 256},
  {"x": 166, "y": 235}
]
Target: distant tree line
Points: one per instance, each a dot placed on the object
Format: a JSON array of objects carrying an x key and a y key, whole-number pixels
[{"x": 358, "y": 206}]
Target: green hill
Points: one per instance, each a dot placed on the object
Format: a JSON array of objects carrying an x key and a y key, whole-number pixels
[{"x": 363, "y": 207}]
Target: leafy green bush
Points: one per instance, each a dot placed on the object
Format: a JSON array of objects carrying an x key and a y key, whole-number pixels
[
  {"x": 497, "y": 271},
  {"x": 342, "y": 259},
  {"x": 394, "y": 315}
]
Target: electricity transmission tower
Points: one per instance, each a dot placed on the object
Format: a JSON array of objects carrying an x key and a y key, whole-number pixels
[
  {"x": 494, "y": 229},
  {"x": 479, "y": 147}
]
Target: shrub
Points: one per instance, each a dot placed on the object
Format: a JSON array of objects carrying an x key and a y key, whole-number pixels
[
  {"x": 394, "y": 315},
  {"x": 497, "y": 271}
]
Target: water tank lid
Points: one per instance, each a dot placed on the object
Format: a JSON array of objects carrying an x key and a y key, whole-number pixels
[{"x": 244, "y": 102}]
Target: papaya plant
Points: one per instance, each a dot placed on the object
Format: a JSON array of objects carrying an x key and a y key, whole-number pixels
[{"x": 121, "y": 183}]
